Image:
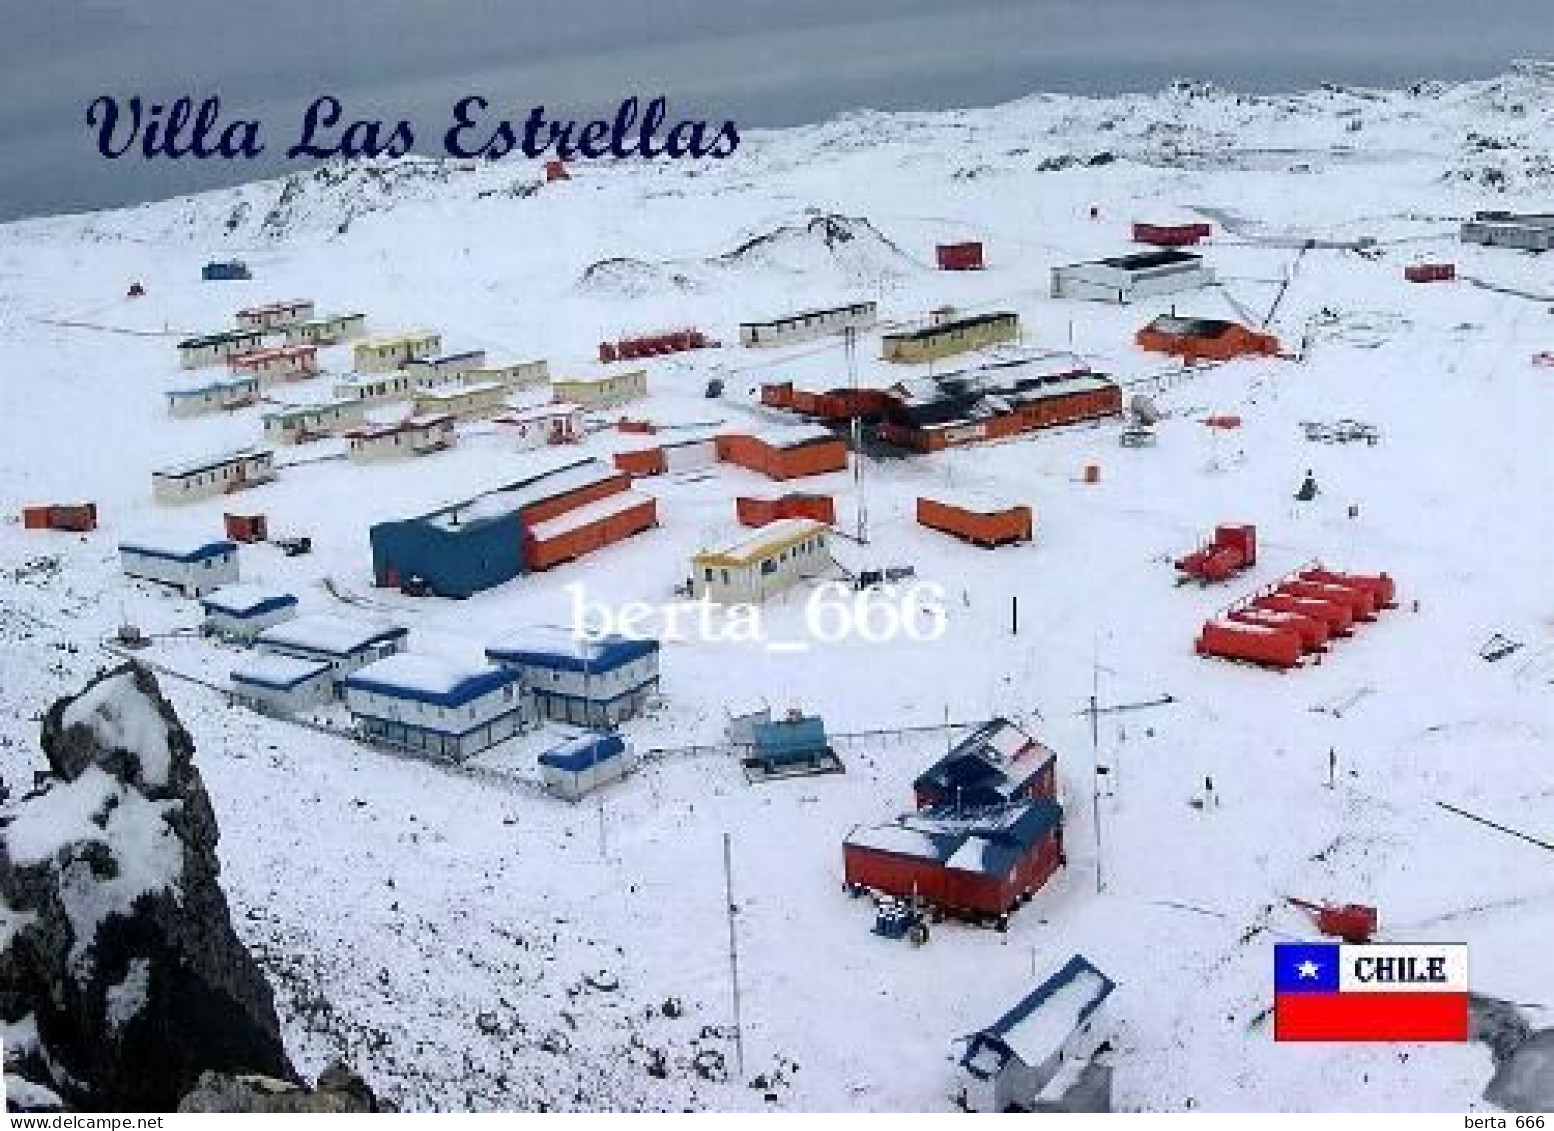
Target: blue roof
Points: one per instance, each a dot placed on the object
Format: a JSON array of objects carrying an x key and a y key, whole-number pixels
[
  {"x": 278, "y": 673},
  {"x": 978, "y": 772},
  {"x": 425, "y": 679},
  {"x": 581, "y": 753},
  {"x": 570, "y": 654},
  {"x": 245, "y": 603},
  {"x": 1007, "y": 1029},
  {"x": 188, "y": 553}
]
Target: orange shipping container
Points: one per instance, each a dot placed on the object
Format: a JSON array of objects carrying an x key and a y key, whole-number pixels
[
  {"x": 759, "y": 512},
  {"x": 985, "y": 525},
  {"x": 642, "y": 462},
  {"x": 544, "y": 549}
]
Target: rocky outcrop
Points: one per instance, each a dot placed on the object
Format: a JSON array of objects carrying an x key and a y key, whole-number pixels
[
  {"x": 1523, "y": 1056},
  {"x": 338, "y": 1090},
  {"x": 121, "y": 978}
]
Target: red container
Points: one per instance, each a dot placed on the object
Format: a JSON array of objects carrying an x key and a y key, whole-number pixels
[
  {"x": 1171, "y": 235},
  {"x": 1312, "y": 632},
  {"x": 1380, "y": 586},
  {"x": 1238, "y": 536},
  {"x": 1251, "y": 643},
  {"x": 1359, "y": 602},
  {"x": 1430, "y": 272},
  {"x": 759, "y": 512},
  {"x": 246, "y": 527},
  {"x": 959, "y": 256},
  {"x": 993, "y": 527},
  {"x": 640, "y": 463},
  {"x": 1352, "y": 922},
  {"x": 1338, "y": 617}
]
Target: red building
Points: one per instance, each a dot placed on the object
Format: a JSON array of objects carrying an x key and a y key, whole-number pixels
[
  {"x": 978, "y": 864},
  {"x": 1171, "y": 235},
  {"x": 1211, "y": 339},
  {"x": 1430, "y": 272},
  {"x": 959, "y": 256},
  {"x": 833, "y": 404},
  {"x": 980, "y": 521},
  {"x": 996, "y": 402},
  {"x": 76, "y": 518},
  {"x": 759, "y": 512}
]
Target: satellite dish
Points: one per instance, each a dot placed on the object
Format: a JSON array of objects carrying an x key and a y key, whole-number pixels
[{"x": 1145, "y": 411}]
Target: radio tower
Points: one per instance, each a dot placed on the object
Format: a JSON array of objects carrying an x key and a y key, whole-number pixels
[{"x": 850, "y": 341}]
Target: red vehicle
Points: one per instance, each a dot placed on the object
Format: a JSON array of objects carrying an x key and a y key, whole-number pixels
[{"x": 1233, "y": 549}]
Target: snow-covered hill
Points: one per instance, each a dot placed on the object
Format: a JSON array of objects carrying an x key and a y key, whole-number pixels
[{"x": 470, "y": 944}]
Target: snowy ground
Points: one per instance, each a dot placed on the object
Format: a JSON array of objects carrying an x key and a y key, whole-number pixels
[{"x": 440, "y": 927}]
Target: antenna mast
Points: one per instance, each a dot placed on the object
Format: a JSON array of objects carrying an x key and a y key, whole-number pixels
[{"x": 850, "y": 341}]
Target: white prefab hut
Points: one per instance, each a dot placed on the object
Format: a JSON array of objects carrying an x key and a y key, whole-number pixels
[
  {"x": 284, "y": 363},
  {"x": 446, "y": 369},
  {"x": 806, "y": 325},
  {"x": 192, "y": 567},
  {"x": 1033, "y": 1052},
  {"x": 242, "y": 612},
  {"x": 600, "y": 390},
  {"x": 370, "y": 388},
  {"x": 215, "y": 475},
  {"x": 1526, "y": 231},
  {"x": 344, "y": 643},
  {"x": 543, "y": 424},
  {"x": 776, "y": 557},
  {"x": 213, "y": 349},
  {"x": 581, "y": 765},
  {"x": 1128, "y": 278},
  {"x": 430, "y": 704},
  {"x": 385, "y": 354},
  {"x": 282, "y": 685},
  {"x": 413, "y": 436},
  {"x": 299, "y": 423},
  {"x": 462, "y": 401},
  {"x": 516, "y": 375},
  {"x": 326, "y": 331},
  {"x": 274, "y": 315},
  {"x": 213, "y": 396},
  {"x": 591, "y": 683}
]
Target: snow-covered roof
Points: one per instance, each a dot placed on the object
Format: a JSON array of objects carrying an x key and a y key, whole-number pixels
[
  {"x": 772, "y": 538},
  {"x": 327, "y": 634},
  {"x": 246, "y": 600},
  {"x": 793, "y": 436},
  {"x": 195, "y": 466},
  {"x": 538, "y": 412},
  {"x": 275, "y": 307},
  {"x": 221, "y": 338},
  {"x": 800, "y": 315},
  {"x": 903, "y": 840},
  {"x": 303, "y": 411},
  {"x": 276, "y": 672},
  {"x": 583, "y": 752},
  {"x": 977, "y": 500},
  {"x": 558, "y": 649},
  {"x": 177, "y": 548},
  {"x": 506, "y": 500},
  {"x": 1041, "y": 1022},
  {"x": 610, "y": 505},
  {"x": 461, "y": 392},
  {"x": 215, "y": 385},
  {"x": 421, "y": 422},
  {"x": 430, "y": 679}
]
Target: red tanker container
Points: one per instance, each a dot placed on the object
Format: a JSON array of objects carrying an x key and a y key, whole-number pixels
[
  {"x": 1312, "y": 632},
  {"x": 1358, "y": 601},
  {"x": 1380, "y": 586},
  {"x": 1338, "y": 618},
  {"x": 1252, "y": 643}
]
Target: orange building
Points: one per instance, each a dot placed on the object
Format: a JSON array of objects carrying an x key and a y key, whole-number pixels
[
  {"x": 1209, "y": 339},
  {"x": 982, "y": 521},
  {"x": 789, "y": 454}
]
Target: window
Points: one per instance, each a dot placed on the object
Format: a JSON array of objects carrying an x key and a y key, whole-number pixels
[
  {"x": 707, "y": 575},
  {"x": 769, "y": 566},
  {"x": 725, "y": 577}
]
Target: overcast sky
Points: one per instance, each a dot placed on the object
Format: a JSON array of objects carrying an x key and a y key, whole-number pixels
[{"x": 760, "y": 63}]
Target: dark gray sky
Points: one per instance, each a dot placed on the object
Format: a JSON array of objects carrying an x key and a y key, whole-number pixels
[{"x": 762, "y": 64}]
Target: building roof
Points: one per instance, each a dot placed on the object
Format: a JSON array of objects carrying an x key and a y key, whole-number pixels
[
  {"x": 1039, "y": 1023},
  {"x": 618, "y": 503},
  {"x": 461, "y": 392},
  {"x": 327, "y": 634},
  {"x": 1151, "y": 260},
  {"x": 969, "y": 395},
  {"x": 975, "y": 500},
  {"x": 176, "y": 549},
  {"x": 924, "y": 333},
  {"x": 538, "y": 412},
  {"x": 382, "y": 341},
  {"x": 770, "y": 539},
  {"x": 318, "y": 408},
  {"x": 276, "y": 306},
  {"x": 989, "y": 765},
  {"x": 989, "y": 841},
  {"x": 560, "y": 650},
  {"x": 276, "y": 672},
  {"x": 246, "y": 600},
  {"x": 443, "y": 359},
  {"x": 220, "y": 337},
  {"x": 1191, "y": 327},
  {"x": 600, "y": 378},
  {"x": 419, "y": 422},
  {"x": 260, "y": 356},
  {"x": 329, "y": 319},
  {"x": 800, "y": 315},
  {"x": 430, "y": 679},
  {"x": 216, "y": 385},
  {"x": 583, "y": 752},
  {"x": 795, "y": 436},
  {"x": 195, "y": 466}
]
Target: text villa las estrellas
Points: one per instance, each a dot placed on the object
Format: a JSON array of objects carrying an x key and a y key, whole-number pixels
[{"x": 183, "y": 128}]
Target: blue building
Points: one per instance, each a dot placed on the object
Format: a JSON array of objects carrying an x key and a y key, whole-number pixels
[
  {"x": 591, "y": 683},
  {"x": 430, "y": 704},
  {"x": 462, "y": 549},
  {"x": 582, "y": 764},
  {"x": 997, "y": 762},
  {"x": 344, "y": 643},
  {"x": 225, "y": 269},
  {"x": 796, "y": 742},
  {"x": 1040, "y": 1046},
  {"x": 242, "y": 612}
]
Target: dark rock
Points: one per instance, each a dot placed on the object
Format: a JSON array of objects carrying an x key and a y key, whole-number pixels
[
  {"x": 123, "y": 959},
  {"x": 338, "y": 1090}
]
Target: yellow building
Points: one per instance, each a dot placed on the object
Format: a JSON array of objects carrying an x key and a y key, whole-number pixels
[
  {"x": 380, "y": 355},
  {"x": 462, "y": 400},
  {"x": 776, "y": 557},
  {"x": 609, "y": 388},
  {"x": 946, "y": 336}
]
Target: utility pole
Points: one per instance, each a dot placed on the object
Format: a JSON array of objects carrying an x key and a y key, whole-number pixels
[
  {"x": 1095, "y": 790},
  {"x": 850, "y": 342},
  {"x": 733, "y": 953},
  {"x": 1332, "y": 767},
  {"x": 1014, "y": 614}
]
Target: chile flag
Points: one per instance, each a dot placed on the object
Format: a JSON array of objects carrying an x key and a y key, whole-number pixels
[{"x": 1372, "y": 992}]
